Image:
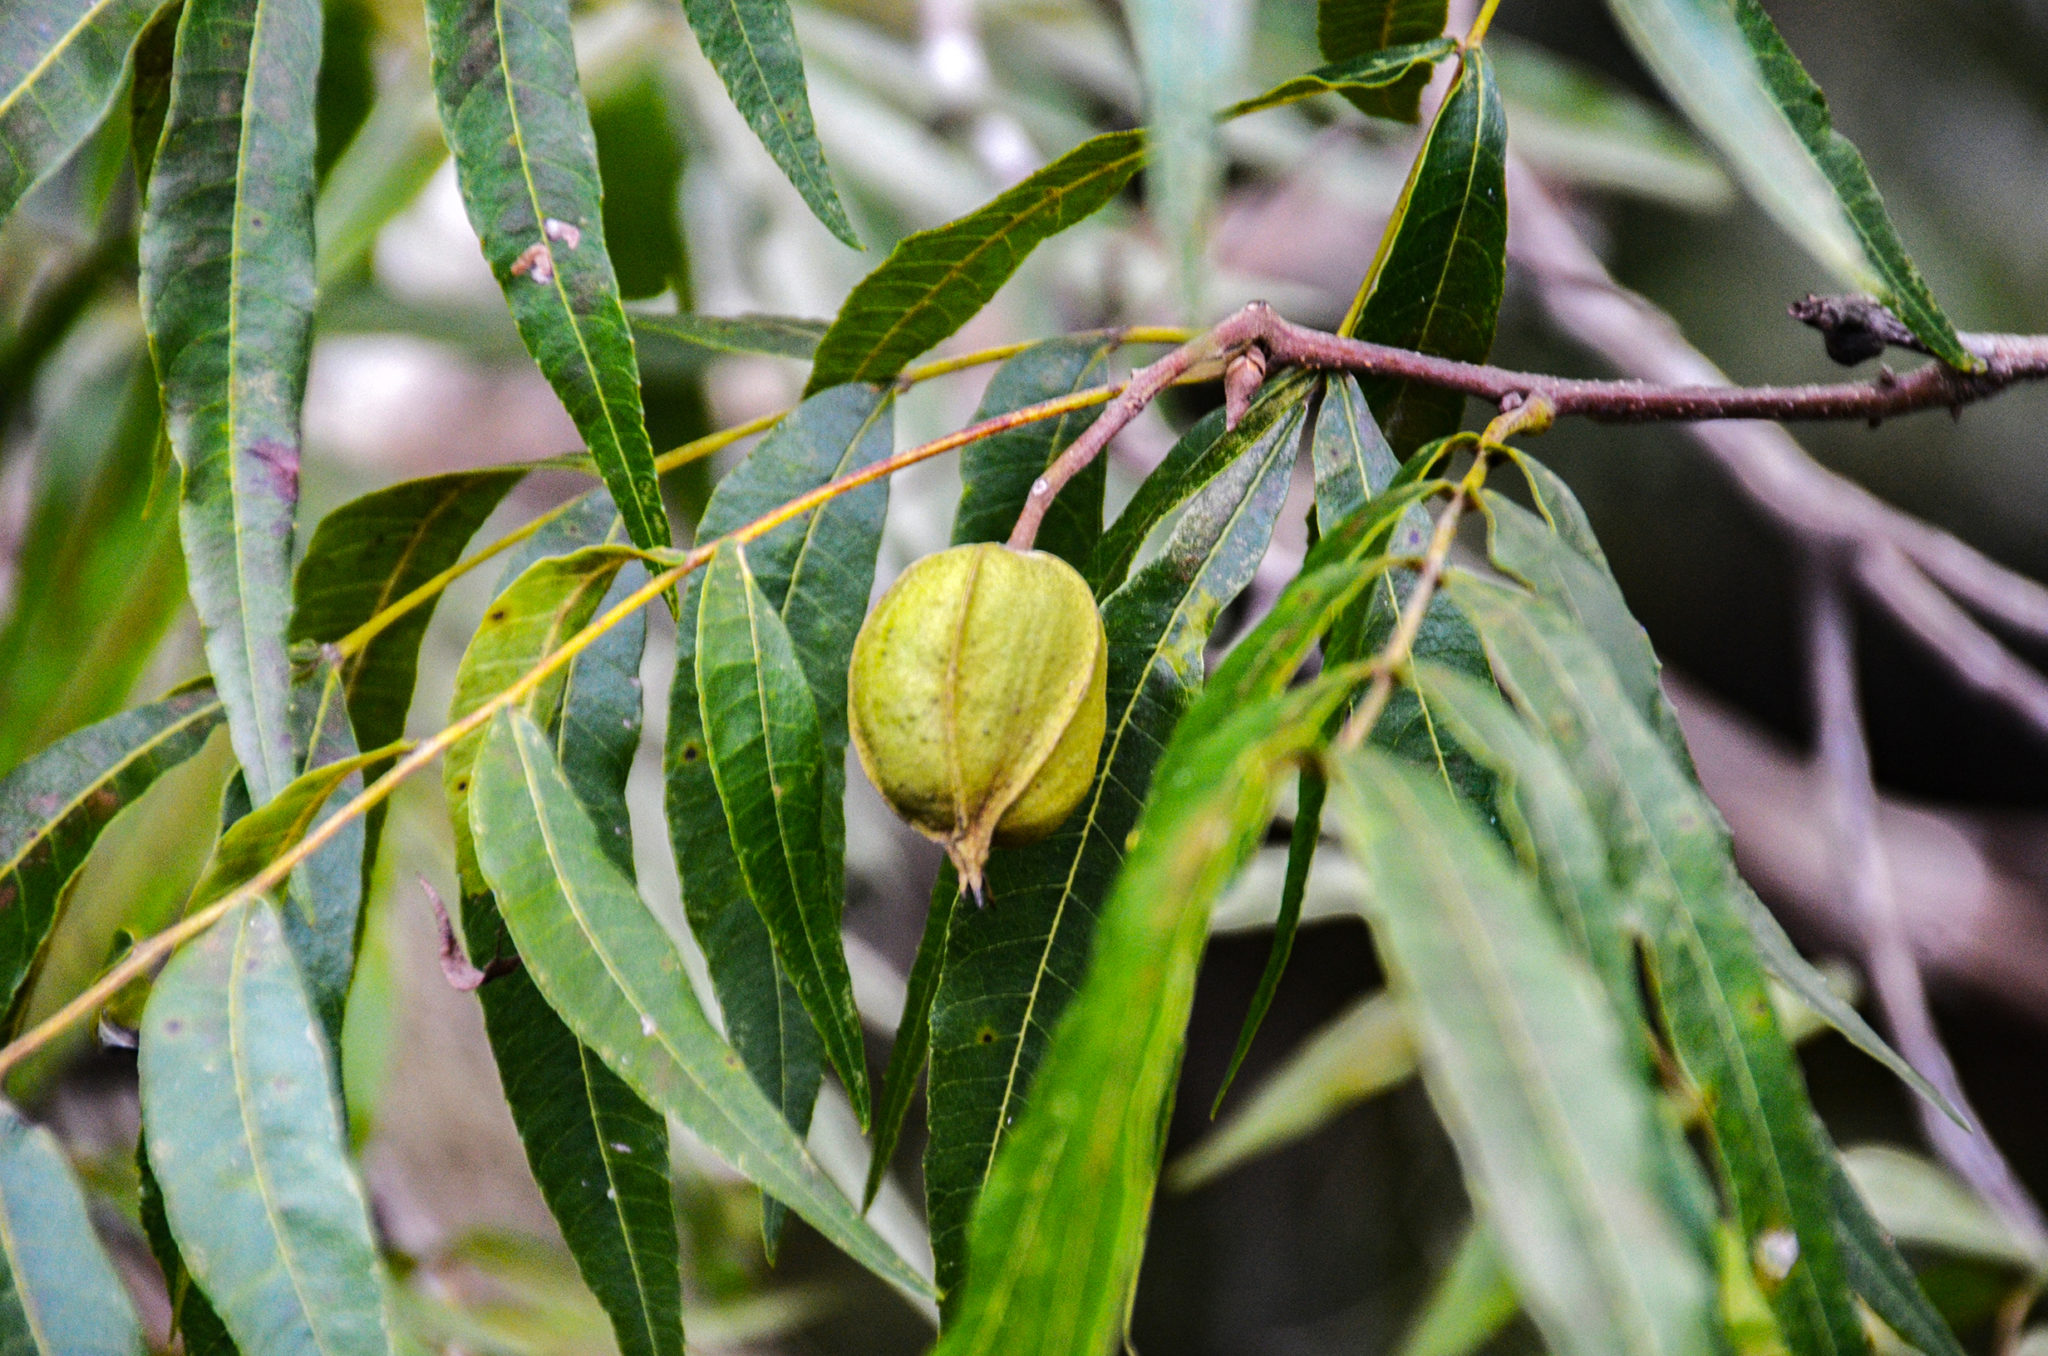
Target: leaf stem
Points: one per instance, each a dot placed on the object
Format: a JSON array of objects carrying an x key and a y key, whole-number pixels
[{"x": 1476, "y": 34}]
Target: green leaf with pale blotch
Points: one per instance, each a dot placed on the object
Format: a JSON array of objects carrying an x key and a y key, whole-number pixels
[
  {"x": 1530, "y": 1069},
  {"x": 505, "y": 82},
  {"x": 1060, "y": 1227},
  {"x": 604, "y": 963},
  {"x": 53, "y": 807},
  {"x": 1369, "y": 81},
  {"x": 1436, "y": 285},
  {"x": 373, "y": 551},
  {"x": 246, "y": 1138},
  {"x": 752, "y": 44},
  {"x": 1564, "y": 567},
  {"x": 1347, "y": 30},
  {"x": 767, "y": 754},
  {"x": 777, "y": 336},
  {"x": 598, "y": 1153},
  {"x": 59, "y": 1295},
  {"x": 227, "y": 292},
  {"x": 1669, "y": 857},
  {"x": 1725, "y": 63},
  {"x": 935, "y": 281},
  {"x": 1011, "y": 966},
  {"x": 62, "y": 63},
  {"x": 1198, "y": 457},
  {"x": 549, "y": 602},
  {"x": 1362, "y": 1052},
  {"x": 818, "y": 570},
  {"x": 1349, "y": 454},
  {"x": 996, "y": 473}
]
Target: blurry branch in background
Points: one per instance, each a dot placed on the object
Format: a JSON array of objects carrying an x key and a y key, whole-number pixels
[
  {"x": 1868, "y": 890},
  {"x": 1905, "y": 567}
]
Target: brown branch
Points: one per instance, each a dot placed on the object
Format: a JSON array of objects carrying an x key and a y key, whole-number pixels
[{"x": 1256, "y": 340}]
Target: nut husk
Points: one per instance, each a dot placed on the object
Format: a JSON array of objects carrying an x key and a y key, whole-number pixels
[{"x": 978, "y": 698}]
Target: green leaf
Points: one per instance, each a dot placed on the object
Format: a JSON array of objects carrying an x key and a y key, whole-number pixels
[
  {"x": 193, "y": 1322},
  {"x": 247, "y": 1141},
  {"x": 1670, "y": 858},
  {"x": 1188, "y": 56},
  {"x": 59, "y": 1295},
  {"x": 1200, "y": 455},
  {"x": 1436, "y": 285},
  {"x": 1528, "y": 1066},
  {"x": 227, "y": 291},
  {"x": 1301, "y": 852},
  {"x": 1347, "y": 30},
  {"x": 777, "y": 336},
  {"x": 1565, "y": 567},
  {"x": 767, "y": 754},
  {"x": 752, "y": 44},
  {"x": 913, "y": 1045},
  {"x": 1472, "y": 1301},
  {"x": 818, "y": 569},
  {"x": 1059, "y": 1230},
  {"x": 505, "y": 82},
  {"x": 604, "y": 963},
  {"x": 62, "y": 63},
  {"x": 996, "y": 473},
  {"x": 935, "y": 281},
  {"x": 1010, "y": 967},
  {"x": 1725, "y": 63},
  {"x": 550, "y": 601},
  {"x": 1360, "y": 1053},
  {"x": 373, "y": 551},
  {"x": 1350, "y": 456},
  {"x": 53, "y": 807},
  {"x": 1881, "y": 1277},
  {"x": 1382, "y": 82},
  {"x": 97, "y": 576},
  {"x": 327, "y": 888},
  {"x": 598, "y": 1153}
]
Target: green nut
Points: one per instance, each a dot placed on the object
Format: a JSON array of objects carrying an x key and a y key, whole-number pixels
[{"x": 978, "y": 698}]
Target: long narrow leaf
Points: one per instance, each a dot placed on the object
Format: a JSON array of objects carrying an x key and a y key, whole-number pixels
[
  {"x": 1059, "y": 1230},
  {"x": 53, "y": 807},
  {"x": 1436, "y": 285},
  {"x": 935, "y": 281},
  {"x": 604, "y": 963},
  {"x": 1187, "y": 56},
  {"x": 1530, "y": 1070},
  {"x": 767, "y": 754},
  {"x": 505, "y": 82},
  {"x": 818, "y": 570},
  {"x": 1347, "y": 30},
  {"x": 911, "y": 1051},
  {"x": 59, "y": 1295},
  {"x": 246, "y": 1138},
  {"x": 752, "y": 44},
  {"x": 227, "y": 291},
  {"x": 1725, "y": 63},
  {"x": 1010, "y": 967},
  {"x": 61, "y": 66},
  {"x": 1708, "y": 983},
  {"x": 598, "y": 1153},
  {"x": 774, "y": 335},
  {"x": 1384, "y": 78}
]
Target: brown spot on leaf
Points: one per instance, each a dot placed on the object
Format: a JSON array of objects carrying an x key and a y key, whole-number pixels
[
  {"x": 282, "y": 464},
  {"x": 535, "y": 262}
]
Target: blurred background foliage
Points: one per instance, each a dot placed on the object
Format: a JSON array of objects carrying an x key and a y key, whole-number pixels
[{"x": 1322, "y": 1223}]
